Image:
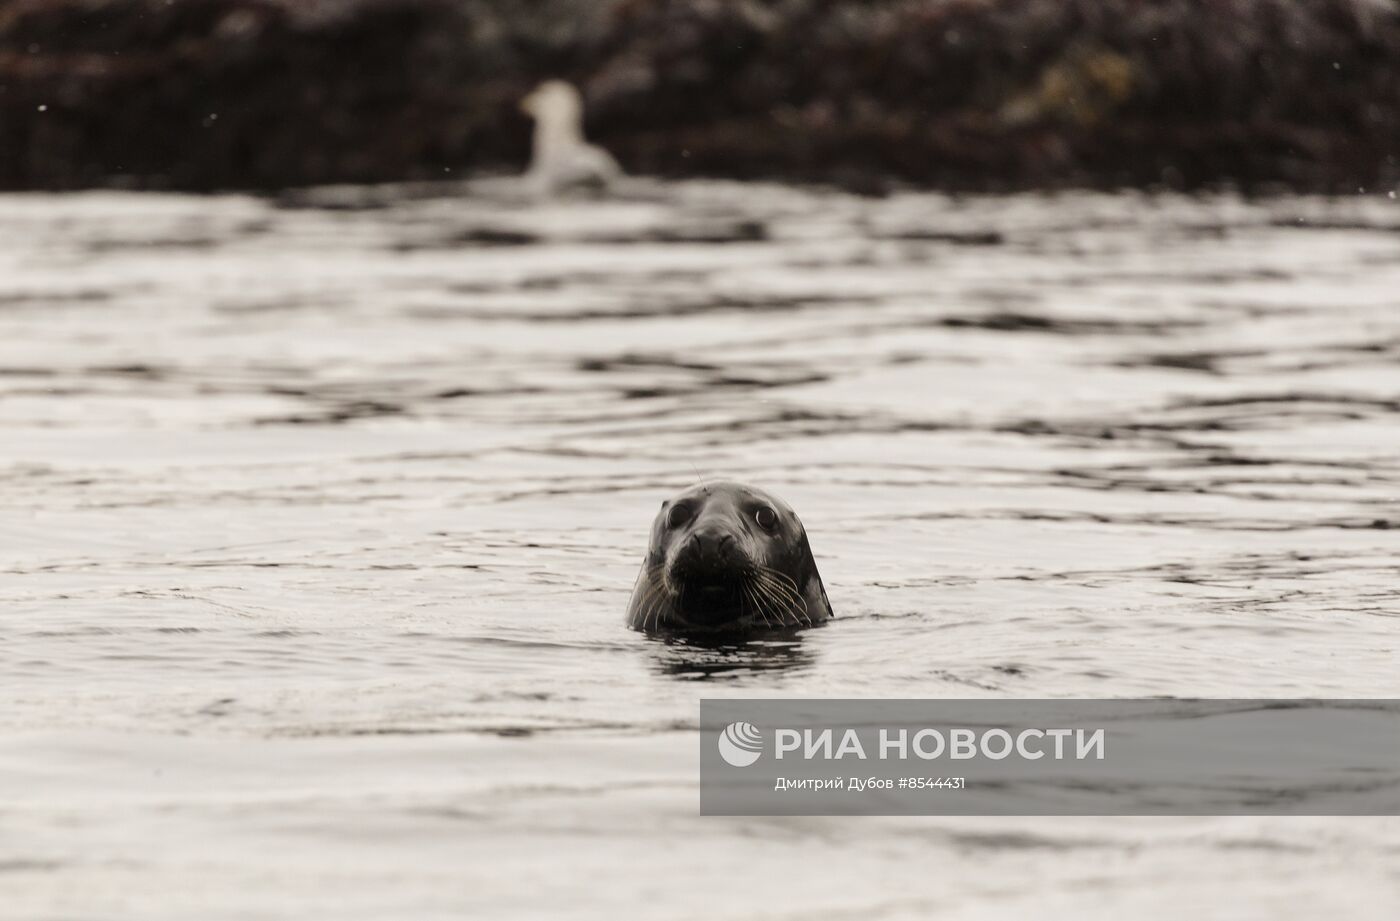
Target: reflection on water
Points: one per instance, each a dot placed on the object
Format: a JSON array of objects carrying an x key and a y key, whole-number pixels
[
  {"x": 708, "y": 658},
  {"x": 319, "y": 518}
]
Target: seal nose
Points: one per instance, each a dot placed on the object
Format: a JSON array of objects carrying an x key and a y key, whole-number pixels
[{"x": 712, "y": 545}]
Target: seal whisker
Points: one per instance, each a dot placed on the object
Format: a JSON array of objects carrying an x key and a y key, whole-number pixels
[
  {"x": 641, "y": 605},
  {"x": 750, "y": 597},
  {"x": 782, "y": 584},
  {"x": 782, "y": 604},
  {"x": 754, "y": 603},
  {"x": 652, "y": 603},
  {"x": 781, "y": 578},
  {"x": 657, "y": 607},
  {"x": 772, "y": 583},
  {"x": 651, "y": 609},
  {"x": 765, "y": 596},
  {"x": 799, "y": 602},
  {"x": 771, "y": 605}
]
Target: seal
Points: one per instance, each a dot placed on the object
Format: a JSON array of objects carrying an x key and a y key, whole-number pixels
[{"x": 725, "y": 557}]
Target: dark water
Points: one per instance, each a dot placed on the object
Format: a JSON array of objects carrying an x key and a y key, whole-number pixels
[{"x": 319, "y": 519}]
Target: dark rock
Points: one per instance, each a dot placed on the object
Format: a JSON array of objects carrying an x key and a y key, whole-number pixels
[{"x": 271, "y": 94}]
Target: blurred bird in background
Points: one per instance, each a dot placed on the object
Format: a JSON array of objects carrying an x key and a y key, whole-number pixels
[{"x": 562, "y": 160}]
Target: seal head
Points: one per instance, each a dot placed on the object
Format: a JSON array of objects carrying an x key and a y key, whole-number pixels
[{"x": 727, "y": 557}]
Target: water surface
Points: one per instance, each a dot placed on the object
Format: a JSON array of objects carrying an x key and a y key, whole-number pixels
[{"x": 319, "y": 517}]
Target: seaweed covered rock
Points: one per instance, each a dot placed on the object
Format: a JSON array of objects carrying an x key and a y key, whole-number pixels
[{"x": 264, "y": 94}]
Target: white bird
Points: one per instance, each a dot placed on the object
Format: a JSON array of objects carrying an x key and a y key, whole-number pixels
[{"x": 562, "y": 159}]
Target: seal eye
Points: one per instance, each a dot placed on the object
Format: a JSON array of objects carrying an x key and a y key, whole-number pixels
[
  {"x": 678, "y": 515},
  {"x": 767, "y": 518}
]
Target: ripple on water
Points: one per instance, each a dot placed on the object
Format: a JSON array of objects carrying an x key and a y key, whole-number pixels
[{"x": 325, "y": 511}]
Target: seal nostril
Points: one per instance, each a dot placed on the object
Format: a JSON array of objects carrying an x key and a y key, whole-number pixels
[{"x": 711, "y": 547}]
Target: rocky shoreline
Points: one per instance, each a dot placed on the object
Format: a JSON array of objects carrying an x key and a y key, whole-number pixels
[{"x": 961, "y": 94}]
